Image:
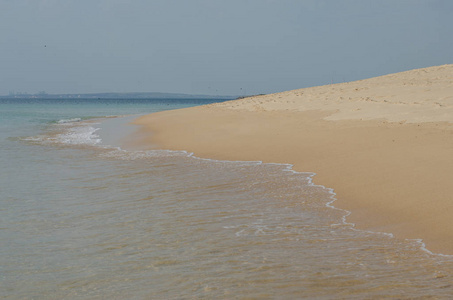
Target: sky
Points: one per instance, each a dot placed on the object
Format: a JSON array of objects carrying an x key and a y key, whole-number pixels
[{"x": 215, "y": 47}]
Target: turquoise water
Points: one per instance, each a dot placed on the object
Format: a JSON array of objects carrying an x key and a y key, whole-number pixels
[{"x": 82, "y": 218}]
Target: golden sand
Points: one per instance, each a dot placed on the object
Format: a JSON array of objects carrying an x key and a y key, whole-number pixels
[{"x": 385, "y": 145}]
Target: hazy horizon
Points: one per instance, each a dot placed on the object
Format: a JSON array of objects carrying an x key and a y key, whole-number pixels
[
  {"x": 214, "y": 47},
  {"x": 104, "y": 95}
]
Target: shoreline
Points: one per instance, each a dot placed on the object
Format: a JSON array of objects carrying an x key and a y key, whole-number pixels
[{"x": 394, "y": 175}]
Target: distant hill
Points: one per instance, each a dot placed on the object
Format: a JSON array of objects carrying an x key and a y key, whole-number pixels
[{"x": 138, "y": 95}]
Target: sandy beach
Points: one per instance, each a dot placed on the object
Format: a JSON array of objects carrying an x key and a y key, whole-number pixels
[{"x": 385, "y": 145}]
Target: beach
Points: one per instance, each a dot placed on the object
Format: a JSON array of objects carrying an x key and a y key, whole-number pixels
[
  {"x": 93, "y": 209},
  {"x": 384, "y": 145}
]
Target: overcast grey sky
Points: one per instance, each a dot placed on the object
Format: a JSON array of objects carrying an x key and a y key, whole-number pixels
[{"x": 227, "y": 47}]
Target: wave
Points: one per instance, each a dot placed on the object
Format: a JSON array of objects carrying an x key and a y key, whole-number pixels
[
  {"x": 67, "y": 132},
  {"x": 80, "y": 135},
  {"x": 66, "y": 121}
]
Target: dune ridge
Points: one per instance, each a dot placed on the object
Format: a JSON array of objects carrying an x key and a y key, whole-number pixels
[{"x": 421, "y": 95}]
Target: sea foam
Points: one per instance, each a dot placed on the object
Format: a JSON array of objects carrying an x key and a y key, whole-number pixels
[
  {"x": 80, "y": 135},
  {"x": 68, "y": 121}
]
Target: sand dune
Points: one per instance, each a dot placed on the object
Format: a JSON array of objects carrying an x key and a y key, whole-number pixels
[
  {"x": 422, "y": 95},
  {"x": 385, "y": 145}
]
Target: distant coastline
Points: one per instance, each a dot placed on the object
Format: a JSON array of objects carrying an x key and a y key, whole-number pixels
[{"x": 135, "y": 95}]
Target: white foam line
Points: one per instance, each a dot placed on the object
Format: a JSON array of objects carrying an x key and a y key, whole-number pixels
[
  {"x": 310, "y": 176},
  {"x": 422, "y": 245},
  {"x": 69, "y": 121}
]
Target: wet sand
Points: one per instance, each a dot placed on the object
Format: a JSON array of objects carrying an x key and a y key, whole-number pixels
[{"x": 384, "y": 145}]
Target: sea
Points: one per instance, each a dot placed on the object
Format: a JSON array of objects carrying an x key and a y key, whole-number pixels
[{"x": 84, "y": 217}]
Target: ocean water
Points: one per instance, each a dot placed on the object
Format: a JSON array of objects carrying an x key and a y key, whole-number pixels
[{"x": 83, "y": 218}]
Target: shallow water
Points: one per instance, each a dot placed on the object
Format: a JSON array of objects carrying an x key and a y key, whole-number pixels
[{"x": 82, "y": 219}]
